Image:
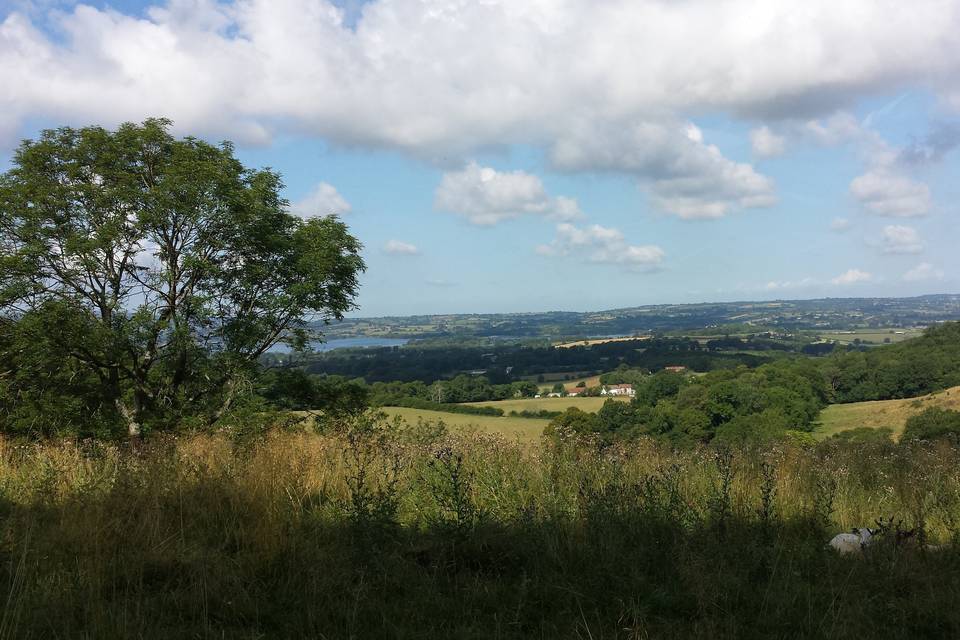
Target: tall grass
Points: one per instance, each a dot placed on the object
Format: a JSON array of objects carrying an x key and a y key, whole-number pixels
[{"x": 395, "y": 531}]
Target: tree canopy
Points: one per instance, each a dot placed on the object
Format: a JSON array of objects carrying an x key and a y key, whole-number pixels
[{"x": 153, "y": 272}]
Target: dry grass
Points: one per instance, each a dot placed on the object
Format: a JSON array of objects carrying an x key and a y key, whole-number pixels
[
  {"x": 593, "y": 341},
  {"x": 891, "y": 414},
  {"x": 590, "y": 404},
  {"x": 525, "y": 429},
  {"x": 409, "y": 532}
]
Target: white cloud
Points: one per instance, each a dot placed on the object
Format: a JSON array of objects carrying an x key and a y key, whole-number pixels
[
  {"x": 837, "y": 128},
  {"x": 602, "y": 245},
  {"x": 884, "y": 189},
  {"x": 438, "y": 78},
  {"x": 322, "y": 200},
  {"x": 685, "y": 177},
  {"x": 901, "y": 239},
  {"x": 400, "y": 248},
  {"x": 840, "y": 225},
  {"x": 851, "y": 276},
  {"x": 485, "y": 196},
  {"x": 923, "y": 272},
  {"x": 885, "y": 193},
  {"x": 767, "y": 144},
  {"x": 779, "y": 285}
]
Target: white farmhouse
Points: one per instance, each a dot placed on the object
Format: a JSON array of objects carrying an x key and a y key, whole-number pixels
[{"x": 618, "y": 390}]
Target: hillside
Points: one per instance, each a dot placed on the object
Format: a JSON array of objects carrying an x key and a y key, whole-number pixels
[
  {"x": 813, "y": 315},
  {"x": 524, "y": 429},
  {"x": 891, "y": 414}
]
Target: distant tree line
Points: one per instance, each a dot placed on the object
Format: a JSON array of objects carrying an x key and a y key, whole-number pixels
[{"x": 502, "y": 363}]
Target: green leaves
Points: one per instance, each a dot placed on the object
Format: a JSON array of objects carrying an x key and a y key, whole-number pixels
[{"x": 189, "y": 262}]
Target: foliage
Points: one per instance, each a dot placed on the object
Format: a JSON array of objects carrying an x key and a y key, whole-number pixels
[
  {"x": 933, "y": 423},
  {"x": 904, "y": 370},
  {"x": 414, "y": 361},
  {"x": 161, "y": 268}
]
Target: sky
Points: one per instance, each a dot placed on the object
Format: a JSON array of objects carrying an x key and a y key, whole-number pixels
[{"x": 504, "y": 156}]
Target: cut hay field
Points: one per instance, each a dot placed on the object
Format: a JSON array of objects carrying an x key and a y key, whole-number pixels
[
  {"x": 545, "y": 404},
  {"x": 891, "y": 414},
  {"x": 593, "y": 341},
  {"x": 569, "y": 384},
  {"x": 872, "y": 335},
  {"x": 526, "y": 429}
]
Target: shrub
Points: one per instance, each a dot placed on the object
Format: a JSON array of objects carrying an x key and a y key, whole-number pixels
[{"x": 933, "y": 423}]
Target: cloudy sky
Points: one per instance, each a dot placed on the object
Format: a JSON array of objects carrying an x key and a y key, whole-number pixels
[{"x": 549, "y": 154}]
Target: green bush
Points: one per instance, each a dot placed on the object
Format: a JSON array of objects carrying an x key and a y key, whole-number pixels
[{"x": 933, "y": 423}]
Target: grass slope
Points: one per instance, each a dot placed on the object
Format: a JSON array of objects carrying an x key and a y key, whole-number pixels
[
  {"x": 591, "y": 405},
  {"x": 526, "y": 429},
  {"x": 891, "y": 414}
]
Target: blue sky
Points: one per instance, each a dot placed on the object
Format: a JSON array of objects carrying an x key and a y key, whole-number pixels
[{"x": 549, "y": 156}]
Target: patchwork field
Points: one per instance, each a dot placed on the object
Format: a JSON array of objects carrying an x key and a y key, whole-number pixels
[
  {"x": 892, "y": 414},
  {"x": 525, "y": 429}
]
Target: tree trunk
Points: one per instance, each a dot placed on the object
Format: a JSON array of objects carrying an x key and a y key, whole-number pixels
[
  {"x": 133, "y": 422},
  {"x": 230, "y": 392}
]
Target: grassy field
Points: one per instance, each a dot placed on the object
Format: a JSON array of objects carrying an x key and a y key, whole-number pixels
[
  {"x": 526, "y": 429},
  {"x": 891, "y": 414},
  {"x": 552, "y": 377},
  {"x": 873, "y": 335},
  {"x": 410, "y": 533},
  {"x": 593, "y": 341},
  {"x": 545, "y": 404},
  {"x": 592, "y": 381}
]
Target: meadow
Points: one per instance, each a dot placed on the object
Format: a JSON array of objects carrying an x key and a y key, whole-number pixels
[
  {"x": 888, "y": 414},
  {"x": 526, "y": 429},
  {"x": 592, "y": 404},
  {"x": 877, "y": 336},
  {"x": 384, "y": 529}
]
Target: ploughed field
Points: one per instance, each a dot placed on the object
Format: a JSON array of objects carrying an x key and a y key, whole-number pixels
[{"x": 890, "y": 414}]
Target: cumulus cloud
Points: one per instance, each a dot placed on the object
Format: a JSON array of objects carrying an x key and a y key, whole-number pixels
[
  {"x": 780, "y": 285},
  {"x": 685, "y": 176},
  {"x": 602, "y": 245},
  {"x": 322, "y": 200},
  {"x": 485, "y": 196},
  {"x": 901, "y": 239},
  {"x": 840, "y": 225},
  {"x": 852, "y": 276},
  {"x": 400, "y": 248},
  {"x": 437, "y": 78},
  {"x": 767, "y": 144},
  {"x": 923, "y": 272},
  {"x": 837, "y": 128},
  {"x": 885, "y": 193}
]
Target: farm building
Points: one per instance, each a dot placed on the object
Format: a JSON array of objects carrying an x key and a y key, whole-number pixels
[{"x": 618, "y": 390}]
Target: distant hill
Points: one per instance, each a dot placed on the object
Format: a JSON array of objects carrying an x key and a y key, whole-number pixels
[{"x": 822, "y": 314}]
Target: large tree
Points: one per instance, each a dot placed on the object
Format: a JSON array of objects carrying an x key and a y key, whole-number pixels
[{"x": 161, "y": 267}]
